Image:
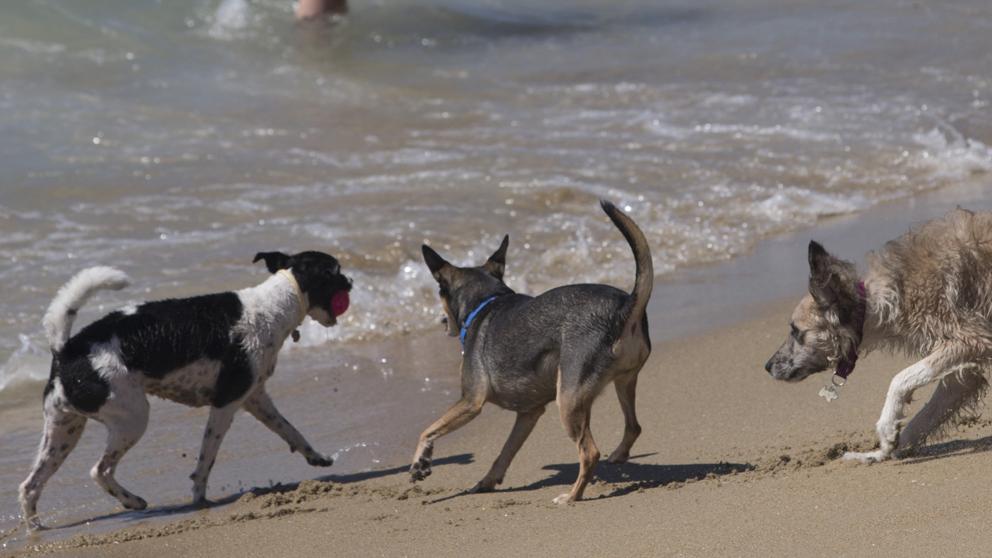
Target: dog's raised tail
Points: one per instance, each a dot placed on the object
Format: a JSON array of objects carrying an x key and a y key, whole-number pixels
[
  {"x": 71, "y": 297},
  {"x": 644, "y": 276}
]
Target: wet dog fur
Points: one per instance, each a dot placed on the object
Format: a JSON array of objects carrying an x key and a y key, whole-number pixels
[
  {"x": 215, "y": 350},
  {"x": 927, "y": 294},
  {"x": 522, "y": 352}
]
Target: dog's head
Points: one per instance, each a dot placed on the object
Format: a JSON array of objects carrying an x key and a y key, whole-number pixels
[
  {"x": 823, "y": 325},
  {"x": 320, "y": 279},
  {"x": 462, "y": 288}
]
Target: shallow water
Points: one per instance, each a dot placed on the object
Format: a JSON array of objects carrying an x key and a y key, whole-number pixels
[{"x": 174, "y": 140}]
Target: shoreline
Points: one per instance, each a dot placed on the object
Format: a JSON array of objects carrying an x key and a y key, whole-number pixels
[
  {"x": 677, "y": 300},
  {"x": 735, "y": 290}
]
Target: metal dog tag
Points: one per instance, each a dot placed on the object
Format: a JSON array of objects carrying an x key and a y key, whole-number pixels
[{"x": 831, "y": 391}]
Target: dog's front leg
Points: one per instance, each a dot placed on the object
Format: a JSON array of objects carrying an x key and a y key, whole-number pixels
[
  {"x": 260, "y": 406},
  {"x": 931, "y": 368},
  {"x": 217, "y": 426},
  {"x": 458, "y": 415}
]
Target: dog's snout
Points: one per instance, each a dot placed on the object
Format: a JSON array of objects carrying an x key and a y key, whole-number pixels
[{"x": 768, "y": 366}]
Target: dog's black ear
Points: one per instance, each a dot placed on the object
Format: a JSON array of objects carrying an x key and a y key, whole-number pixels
[
  {"x": 497, "y": 262},
  {"x": 824, "y": 275},
  {"x": 274, "y": 261},
  {"x": 818, "y": 256},
  {"x": 434, "y": 261}
]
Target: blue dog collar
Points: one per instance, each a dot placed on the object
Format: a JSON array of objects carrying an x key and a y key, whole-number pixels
[{"x": 471, "y": 316}]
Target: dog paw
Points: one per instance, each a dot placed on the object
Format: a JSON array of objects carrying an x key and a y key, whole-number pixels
[
  {"x": 483, "y": 486},
  {"x": 865, "y": 457},
  {"x": 318, "y": 460},
  {"x": 563, "y": 499},
  {"x": 34, "y": 525},
  {"x": 134, "y": 503},
  {"x": 618, "y": 457},
  {"x": 200, "y": 497},
  {"x": 420, "y": 470},
  {"x": 201, "y": 503}
]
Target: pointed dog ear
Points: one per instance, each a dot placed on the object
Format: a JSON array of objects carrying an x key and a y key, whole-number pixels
[
  {"x": 819, "y": 258},
  {"x": 274, "y": 261},
  {"x": 497, "y": 262},
  {"x": 824, "y": 276},
  {"x": 434, "y": 261}
]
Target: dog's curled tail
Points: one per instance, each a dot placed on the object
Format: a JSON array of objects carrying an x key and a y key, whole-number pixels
[
  {"x": 71, "y": 297},
  {"x": 644, "y": 278}
]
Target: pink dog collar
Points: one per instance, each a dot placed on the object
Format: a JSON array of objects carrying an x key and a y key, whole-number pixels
[
  {"x": 831, "y": 391},
  {"x": 846, "y": 365}
]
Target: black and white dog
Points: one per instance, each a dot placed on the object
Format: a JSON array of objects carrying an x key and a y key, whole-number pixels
[{"x": 216, "y": 349}]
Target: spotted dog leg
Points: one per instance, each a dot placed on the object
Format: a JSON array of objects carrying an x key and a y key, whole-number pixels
[
  {"x": 62, "y": 432},
  {"x": 261, "y": 407},
  {"x": 217, "y": 426},
  {"x": 125, "y": 414}
]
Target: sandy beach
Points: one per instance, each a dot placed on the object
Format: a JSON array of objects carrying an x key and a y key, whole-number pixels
[{"x": 730, "y": 462}]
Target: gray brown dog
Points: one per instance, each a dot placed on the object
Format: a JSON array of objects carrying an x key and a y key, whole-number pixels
[
  {"x": 928, "y": 294},
  {"x": 522, "y": 352}
]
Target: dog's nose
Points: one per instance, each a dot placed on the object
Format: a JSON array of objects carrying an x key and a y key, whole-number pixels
[{"x": 768, "y": 366}]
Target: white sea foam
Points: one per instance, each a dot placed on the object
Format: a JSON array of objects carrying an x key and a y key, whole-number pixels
[
  {"x": 949, "y": 156},
  {"x": 28, "y": 363},
  {"x": 799, "y": 205},
  {"x": 32, "y": 47},
  {"x": 231, "y": 17}
]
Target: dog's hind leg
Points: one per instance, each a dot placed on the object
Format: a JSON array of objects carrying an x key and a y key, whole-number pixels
[
  {"x": 626, "y": 387},
  {"x": 125, "y": 414},
  {"x": 935, "y": 366},
  {"x": 62, "y": 432},
  {"x": 954, "y": 393},
  {"x": 260, "y": 406},
  {"x": 522, "y": 428},
  {"x": 575, "y": 417},
  {"x": 460, "y": 414},
  {"x": 217, "y": 426}
]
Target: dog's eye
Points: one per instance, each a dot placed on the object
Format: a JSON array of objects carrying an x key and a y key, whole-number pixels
[{"x": 797, "y": 334}]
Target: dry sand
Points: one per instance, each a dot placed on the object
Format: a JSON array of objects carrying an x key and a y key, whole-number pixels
[{"x": 731, "y": 463}]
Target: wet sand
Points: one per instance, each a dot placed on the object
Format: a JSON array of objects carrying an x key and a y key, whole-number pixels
[{"x": 730, "y": 462}]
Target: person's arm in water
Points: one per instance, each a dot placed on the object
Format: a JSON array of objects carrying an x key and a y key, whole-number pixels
[{"x": 308, "y": 9}]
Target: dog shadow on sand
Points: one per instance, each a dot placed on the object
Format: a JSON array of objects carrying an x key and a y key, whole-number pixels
[
  {"x": 950, "y": 448},
  {"x": 177, "y": 509},
  {"x": 632, "y": 476},
  {"x": 624, "y": 478}
]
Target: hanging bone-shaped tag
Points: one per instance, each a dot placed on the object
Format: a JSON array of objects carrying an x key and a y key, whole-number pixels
[{"x": 829, "y": 392}]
